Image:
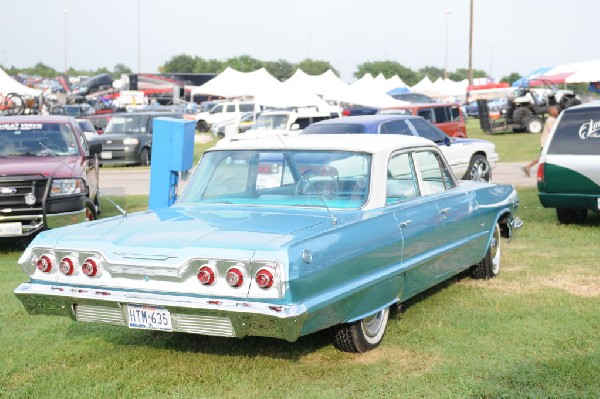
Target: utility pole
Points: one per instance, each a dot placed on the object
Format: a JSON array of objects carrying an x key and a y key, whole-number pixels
[{"x": 470, "y": 76}]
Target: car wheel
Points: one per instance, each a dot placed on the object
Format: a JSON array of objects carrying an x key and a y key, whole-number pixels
[
  {"x": 489, "y": 267},
  {"x": 144, "y": 157},
  {"x": 521, "y": 114},
  {"x": 570, "y": 216},
  {"x": 97, "y": 204},
  {"x": 362, "y": 335},
  {"x": 202, "y": 126},
  {"x": 534, "y": 125},
  {"x": 90, "y": 211},
  {"x": 479, "y": 169}
]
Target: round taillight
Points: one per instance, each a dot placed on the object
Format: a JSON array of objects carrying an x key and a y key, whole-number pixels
[
  {"x": 66, "y": 266},
  {"x": 89, "y": 267},
  {"x": 44, "y": 264},
  {"x": 206, "y": 275},
  {"x": 264, "y": 278},
  {"x": 234, "y": 277}
]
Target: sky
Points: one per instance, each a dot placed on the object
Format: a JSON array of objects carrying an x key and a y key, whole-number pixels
[{"x": 509, "y": 35}]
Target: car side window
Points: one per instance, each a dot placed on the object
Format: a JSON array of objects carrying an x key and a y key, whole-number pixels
[
  {"x": 435, "y": 176},
  {"x": 401, "y": 179},
  {"x": 230, "y": 108},
  {"x": 440, "y": 115},
  {"x": 246, "y": 107},
  {"x": 454, "y": 113},
  {"x": 216, "y": 109},
  {"x": 426, "y": 114},
  {"x": 396, "y": 127},
  {"x": 425, "y": 129}
]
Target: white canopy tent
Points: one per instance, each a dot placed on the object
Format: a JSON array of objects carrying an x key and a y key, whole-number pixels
[
  {"x": 587, "y": 72},
  {"x": 232, "y": 83},
  {"x": 9, "y": 85}
]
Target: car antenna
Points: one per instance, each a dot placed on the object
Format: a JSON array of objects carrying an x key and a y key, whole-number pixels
[
  {"x": 121, "y": 210},
  {"x": 319, "y": 194}
]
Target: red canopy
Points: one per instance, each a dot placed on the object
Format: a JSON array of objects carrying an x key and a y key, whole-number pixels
[{"x": 556, "y": 79}]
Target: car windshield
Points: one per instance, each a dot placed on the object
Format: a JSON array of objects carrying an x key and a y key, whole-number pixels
[
  {"x": 37, "y": 140},
  {"x": 127, "y": 124},
  {"x": 324, "y": 178},
  {"x": 271, "y": 122}
]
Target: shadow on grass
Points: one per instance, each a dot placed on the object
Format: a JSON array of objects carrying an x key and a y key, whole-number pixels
[{"x": 194, "y": 343}]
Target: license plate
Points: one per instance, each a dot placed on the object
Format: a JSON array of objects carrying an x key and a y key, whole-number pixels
[
  {"x": 149, "y": 318},
  {"x": 106, "y": 155},
  {"x": 11, "y": 229}
]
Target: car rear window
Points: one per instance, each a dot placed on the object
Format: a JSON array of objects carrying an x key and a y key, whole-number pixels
[
  {"x": 329, "y": 128},
  {"x": 577, "y": 133}
]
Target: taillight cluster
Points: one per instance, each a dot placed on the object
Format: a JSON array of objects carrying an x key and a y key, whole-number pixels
[
  {"x": 236, "y": 276},
  {"x": 68, "y": 265}
]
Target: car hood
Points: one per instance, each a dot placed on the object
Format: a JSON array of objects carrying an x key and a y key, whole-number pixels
[
  {"x": 190, "y": 229},
  {"x": 47, "y": 166}
]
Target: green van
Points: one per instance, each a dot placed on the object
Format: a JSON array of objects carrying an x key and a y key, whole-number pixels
[{"x": 568, "y": 176}]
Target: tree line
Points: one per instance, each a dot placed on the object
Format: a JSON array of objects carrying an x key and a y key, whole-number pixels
[{"x": 280, "y": 69}]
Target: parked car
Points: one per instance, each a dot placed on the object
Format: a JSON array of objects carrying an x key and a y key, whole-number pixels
[
  {"x": 568, "y": 177},
  {"x": 127, "y": 139},
  {"x": 470, "y": 159},
  {"x": 413, "y": 97},
  {"x": 88, "y": 129},
  {"x": 233, "y": 259},
  {"x": 48, "y": 175},
  {"x": 282, "y": 122},
  {"x": 223, "y": 111},
  {"x": 100, "y": 121},
  {"x": 356, "y": 110},
  {"x": 237, "y": 124},
  {"x": 446, "y": 116}
]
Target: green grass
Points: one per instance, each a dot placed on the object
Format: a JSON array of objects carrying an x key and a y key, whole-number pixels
[
  {"x": 533, "y": 332},
  {"x": 512, "y": 147}
]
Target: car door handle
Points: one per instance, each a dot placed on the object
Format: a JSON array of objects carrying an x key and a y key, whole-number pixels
[
  {"x": 405, "y": 223},
  {"x": 444, "y": 212}
]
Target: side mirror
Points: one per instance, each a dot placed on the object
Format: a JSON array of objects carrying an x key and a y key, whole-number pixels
[
  {"x": 447, "y": 141},
  {"x": 95, "y": 148},
  {"x": 295, "y": 126}
]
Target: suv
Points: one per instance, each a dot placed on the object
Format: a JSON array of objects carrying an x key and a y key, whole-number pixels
[
  {"x": 569, "y": 171},
  {"x": 222, "y": 112},
  {"x": 48, "y": 175},
  {"x": 127, "y": 139},
  {"x": 446, "y": 116}
]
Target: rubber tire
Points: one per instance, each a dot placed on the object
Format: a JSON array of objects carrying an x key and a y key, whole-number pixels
[
  {"x": 356, "y": 337},
  {"x": 534, "y": 124},
  {"x": 571, "y": 102},
  {"x": 90, "y": 211},
  {"x": 144, "y": 157},
  {"x": 202, "y": 126},
  {"x": 521, "y": 114},
  {"x": 97, "y": 204},
  {"x": 472, "y": 172},
  {"x": 489, "y": 267},
  {"x": 571, "y": 215}
]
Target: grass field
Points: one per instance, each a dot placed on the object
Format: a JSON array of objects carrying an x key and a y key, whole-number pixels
[{"x": 533, "y": 332}]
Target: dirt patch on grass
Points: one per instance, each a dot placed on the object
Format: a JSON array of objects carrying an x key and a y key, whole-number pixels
[{"x": 575, "y": 284}]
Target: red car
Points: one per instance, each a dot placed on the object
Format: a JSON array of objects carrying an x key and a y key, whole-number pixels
[
  {"x": 446, "y": 116},
  {"x": 48, "y": 175}
]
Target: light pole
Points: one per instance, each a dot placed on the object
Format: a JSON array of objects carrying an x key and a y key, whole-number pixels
[
  {"x": 139, "y": 38},
  {"x": 470, "y": 75},
  {"x": 66, "y": 12},
  {"x": 446, "y": 52}
]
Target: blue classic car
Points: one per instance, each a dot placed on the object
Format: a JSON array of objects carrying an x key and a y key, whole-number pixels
[{"x": 279, "y": 237}]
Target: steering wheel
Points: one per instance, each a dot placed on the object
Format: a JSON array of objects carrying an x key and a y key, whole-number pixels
[{"x": 326, "y": 189}]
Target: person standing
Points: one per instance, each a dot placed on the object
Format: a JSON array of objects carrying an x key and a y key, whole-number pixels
[{"x": 553, "y": 113}]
